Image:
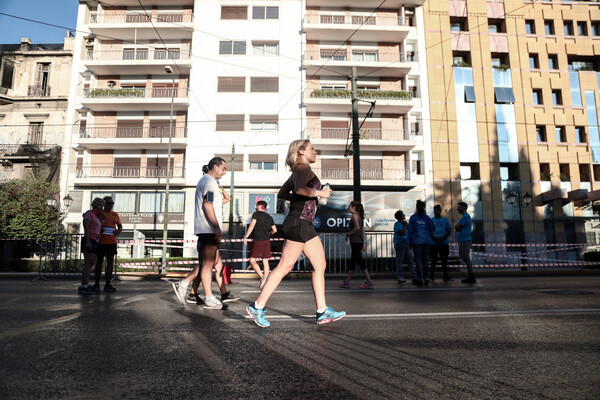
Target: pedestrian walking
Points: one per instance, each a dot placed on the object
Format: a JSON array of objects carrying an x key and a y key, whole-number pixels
[
  {"x": 358, "y": 244},
  {"x": 464, "y": 227},
  {"x": 420, "y": 228},
  {"x": 262, "y": 227},
  {"x": 403, "y": 251},
  {"x": 208, "y": 220},
  {"x": 107, "y": 244},
  {"x": 89, "y": 244},
  {"x": 439, "y": 245},
  {"x": 302, "y": 189}
]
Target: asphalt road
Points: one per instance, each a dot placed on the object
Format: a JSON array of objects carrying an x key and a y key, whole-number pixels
[{"x": 521, "y": 338}]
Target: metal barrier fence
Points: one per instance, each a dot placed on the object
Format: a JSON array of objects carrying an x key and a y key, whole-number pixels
[{"x": 60, "y": 255}]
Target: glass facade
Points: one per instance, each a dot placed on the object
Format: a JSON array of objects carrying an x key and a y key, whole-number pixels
[
  {"x": 590, "y": 106},
  {"x": 468, "y": 148}
]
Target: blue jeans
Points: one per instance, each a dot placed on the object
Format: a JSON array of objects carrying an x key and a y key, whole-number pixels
[
  {"x": 421, "y": 260},
  {"x": 403, "y": 254}
]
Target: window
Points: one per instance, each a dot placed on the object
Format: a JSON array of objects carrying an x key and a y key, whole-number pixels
[
  {"x": 36, "y": 133},
  {"x": 552, "y": 61},
  {"x": 124, "y": 201},
  {"x": 580, "y": 135},
  {"x": 582, "y": 28},
  {"x": 458, "y": 24},
  {"x": 534, "y": 62},
  {"x": 582, "y": 65},
  {"x": 264, "y": 122},
  {"x": 265, "y": 48},
  {"x": 230, "y": 122},
  {"x": 595, "y": 28},
  {"x": 469, "y": 94},
  {"x": 495, "y": 26},
  {"x": 568, "y": 27},
  {"x": 469, "y": 171},
  {"x": 8, "y": 69},
  {"x": 232, "y": 47},
  {"x": 239, "y": 161},
  {"x": 414, "y": 128},
  {"x": 260, "y": 12},
  {"x": 545, "y": 173},
  {"x": 530, "y": 26},
  {"x": 509, "y": 172},
  {"x": 537, "y": 97},
  {"x": 504, "y": 95},
  {"x": 565, "y": 173},
  {"x": 549, "y": 27},
  {"x": 234, "y": 12},
  {"x": 264, "y": 162},
  {"x": 126, "y": 167},
  {"x": 135, "y": 54},
  {"x": 561, "y": 135},
  {"x": 461, "y": 59},
  {"x": 42, "y": 81},
  {"x": 557, "y": 97},
  {"x": 540, "y": 132},
  {"x": 584, "y": 173},
  {"x": 235, "y": 84},
  {"x": 365, "y": 56},
  {"x": 270, "y": 85}
]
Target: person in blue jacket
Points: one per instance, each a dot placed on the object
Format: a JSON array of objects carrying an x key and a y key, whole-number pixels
[
  {"x": 420, "y": 231},
  {"x": 439, "y": 245}
]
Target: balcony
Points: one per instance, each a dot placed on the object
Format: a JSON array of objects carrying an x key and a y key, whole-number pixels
[
  {"x": 137, "y": 61},
  {"x": 366, "y": 4},
  {"x": 339, "y": 100},
  {"x": 324, "y": 26},
  {"x": 127, "y": 176},
  {"x": 370, "y": 139},
  {"x": 147, "y": 137},
  {"x": 38, "y": 91},
  {"x": 368, "y": 176},
  {"x": 135, "y": 99},
  {"x": 372, "y": 63},
  {"x": 126, "y": 26}
]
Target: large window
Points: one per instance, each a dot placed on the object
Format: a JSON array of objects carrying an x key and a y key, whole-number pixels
[
  {"x": 561, "y": 134},
  {"x": 154, "y": 202},
  {"x": 581, "y": 28},
  {"x": 231, "y": 84},
  {"x": 230, "y": 122},
  {"x": 540, "y": 132},
  {"x": 239, "y": 161},
  {"x": 234, "y": 12},
  {"x": 534, "y": 62},
  {"x": 549, "y": 27},
  {"x": 232, "y": 47},
  {"x": 557, "y": 97},
  {"x": 530, "y": 26},
  {"x": 260, "y": 84},
  {"x": 580, "y": 136},
  {"x": 537, "y": 97},
  {"x": 36, "y": 133},
  {"x": 552, "y": 61},
  {"x": 264, "y": 162},
  {"x": 265, "y": 48},
  {"x": 568, "y": 27},
  {"x": 262, "y": 12},
  {"x": 264, "y": 122}
]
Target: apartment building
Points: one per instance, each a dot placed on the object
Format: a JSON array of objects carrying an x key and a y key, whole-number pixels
[
  {"x": 248, "y": 77},
  {"x": 34, "y": 88},
  {"x": 514, "y": 89}
]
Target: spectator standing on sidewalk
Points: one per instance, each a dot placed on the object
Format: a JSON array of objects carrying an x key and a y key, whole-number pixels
[
  {"x": 403, "y": 252},
  {"x": 89, "y": 243},
  {"x": 439, "y": 243},
  {"x": 464, "y": 227},
  {"x": 107, "y": 244},
  {"x": 262, "y": 227},
  {"x": 420, "y": 228},
  {"x": 358, "y": 244}
]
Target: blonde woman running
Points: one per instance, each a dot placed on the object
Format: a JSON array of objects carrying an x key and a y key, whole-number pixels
[{"x": 302, "y": 190}]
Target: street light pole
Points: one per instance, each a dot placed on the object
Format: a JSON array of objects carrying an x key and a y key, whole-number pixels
[
  {"x": 515, "y": 200},
  {"x": 169, "y": 71}
]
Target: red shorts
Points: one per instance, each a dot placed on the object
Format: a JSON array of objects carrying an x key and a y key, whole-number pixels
[{"x": 261, "y": 249}]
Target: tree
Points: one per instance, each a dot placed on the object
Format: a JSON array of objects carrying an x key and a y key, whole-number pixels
[{"x": 24, "y": 212}]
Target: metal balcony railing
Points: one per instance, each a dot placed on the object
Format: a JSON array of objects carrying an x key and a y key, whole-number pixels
[
  {"x": 38, "y": 91},
  {"x": 354, "y": 56},
  {"x": 367, "y": 133},
  {"x": 129, "y": 172},
  {"x": 132, "y": 132},
  {"x": 375, "y": 174},
  {"x": 137, "y": 92},
  {"x": 140, "y": 18},
  {"x": 137, "y": 54},
  {"x": 336, "y": 19},
  {"x": 365, "y": 94}
]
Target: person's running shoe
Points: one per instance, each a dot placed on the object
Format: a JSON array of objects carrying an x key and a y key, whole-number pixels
[
  {"x": 258, "y": 316},
  {"x": 194, "y": 298},
  {"x": 329, "y": 316},
  {"x": 401, "y": 280},
  {"x": 367, "y": 285},
  {"x": 211, "y": 303},
  {"x": 344, "y": 284},
  {"x": 228, "y": 297},
  {"x": 87, "y": 289},
  {"x": 109, "y": 288},
  {"x": 179, "y": 291},
  {"x": 96, "y": 287},
  {"x": 263, "y": 280}
]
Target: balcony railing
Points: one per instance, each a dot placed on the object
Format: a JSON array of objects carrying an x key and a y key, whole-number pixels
[
  {"x": 129, "y": 172},
  {"x": 138, "y": 54},
  {"x": 336, "y": 19},
  {"x": 355, "y": 56},
  {"x": 140, "y": 92},
  {"x": 132, "y": 132},
  {"x": 368, "y": 134},
  {"x": 21, "y": 149},
  {"x": 364, "y": 94},
  {"x": 374, "y": 174},
  {"x": 38, "y": 91},
  {"x": 139, "y": 18}
]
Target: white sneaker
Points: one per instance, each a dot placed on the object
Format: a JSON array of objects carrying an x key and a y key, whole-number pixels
[
  {"x": 180, "y": 291},
  {"x": 213, "y": 304},
  {"x": 263, "y": 281}
]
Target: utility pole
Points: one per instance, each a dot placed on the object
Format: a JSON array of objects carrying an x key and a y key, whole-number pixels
[
  {"x": 231, "y": 193},
  {"x": 355, "y": 138}
]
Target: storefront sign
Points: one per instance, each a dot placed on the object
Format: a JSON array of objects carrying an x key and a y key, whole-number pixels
[{"x": 269, "y": 198}]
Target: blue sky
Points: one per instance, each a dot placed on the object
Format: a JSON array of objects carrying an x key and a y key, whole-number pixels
[{"x": 56, "y": 12}]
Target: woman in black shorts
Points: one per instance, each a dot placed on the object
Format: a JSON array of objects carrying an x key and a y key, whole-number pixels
[{"x": 302, "y": 189}]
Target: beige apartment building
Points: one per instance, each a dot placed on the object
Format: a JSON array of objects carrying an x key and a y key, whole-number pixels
[
  {"x": 34, "y": 89},
  {"x": 514, "y": 90}
]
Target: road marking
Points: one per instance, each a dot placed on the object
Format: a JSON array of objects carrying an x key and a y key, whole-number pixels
[{"x": 443, "y": 314}]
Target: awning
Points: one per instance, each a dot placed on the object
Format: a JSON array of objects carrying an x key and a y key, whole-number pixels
[
  {"x": 578, "y": 194},
  {"x": 554, "y": 194}
]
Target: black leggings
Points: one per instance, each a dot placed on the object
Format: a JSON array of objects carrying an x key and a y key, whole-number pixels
[{"x": 356, "y": 257}]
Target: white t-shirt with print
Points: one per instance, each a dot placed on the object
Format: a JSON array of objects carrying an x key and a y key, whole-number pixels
[{"x": 201, "y": 223}]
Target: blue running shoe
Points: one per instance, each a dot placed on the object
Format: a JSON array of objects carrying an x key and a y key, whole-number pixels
[
  {"x": 329, "y": 316},
  {"x": 258, "y": 316}
]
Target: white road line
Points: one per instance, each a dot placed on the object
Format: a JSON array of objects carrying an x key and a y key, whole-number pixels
[{"x": 444, "y": 314}]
